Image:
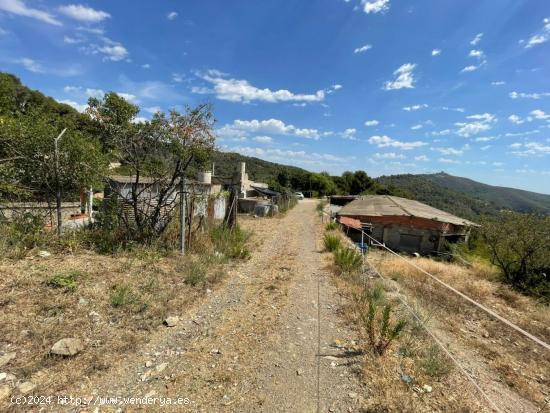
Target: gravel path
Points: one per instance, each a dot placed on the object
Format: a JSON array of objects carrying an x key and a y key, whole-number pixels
[{"x": 253, "y": 344}]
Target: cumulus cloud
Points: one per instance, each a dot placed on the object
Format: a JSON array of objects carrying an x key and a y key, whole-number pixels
[
  {"x": 172, "y": 15},
  {"x": 362, "y": 49},
  {"x": 449, "y": 151},
  {"x": 263, "y": 139},
  {"x": 372, "y": 122},
  {"x": 436, "y": 52},
  {"x": 498, "y": 83},
  {"x": 404, "y": 78},
  {"x": 269, "y": 126},
  {"x": 349, "y": 134},
  {"x": 422, "y": 158},
  {"x": 83, "y": 13},
  {"x": 19, "y": 8},
  {"x": 530, "y": 149},
  {"x": 416, "y": 127},
  {"x": 539, "y": 114},
  {"x": 447, "y": 160},
  {"x": 385, "y": 141},
  {"x": 478, "y": 54},
  {"x": 376, "y": 6},
  {"x": 80, "y": 107},
  {"x": 235, "y": 90},
  {"x": 516, "y": 119},
  {"x": 481, "y": 122}
]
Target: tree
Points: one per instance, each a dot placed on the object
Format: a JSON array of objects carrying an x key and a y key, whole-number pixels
[
  {"x": 520, "y": 246},
  {"x": 158, "y": 154},
  {"x": 38, "y": 170}
]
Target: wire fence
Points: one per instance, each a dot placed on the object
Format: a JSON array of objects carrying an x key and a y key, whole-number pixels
[{"x": 422, "y": 322}]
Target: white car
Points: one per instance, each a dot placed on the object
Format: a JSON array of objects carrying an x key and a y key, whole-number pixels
[{"x": 298, "y": 195}]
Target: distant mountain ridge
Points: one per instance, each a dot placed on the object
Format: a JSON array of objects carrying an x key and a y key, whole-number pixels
[{"x": 467, "y": 197}]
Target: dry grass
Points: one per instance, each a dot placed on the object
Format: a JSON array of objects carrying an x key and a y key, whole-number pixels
[
  {"x": 511, "y": 358},
  {"x": 112, "y": 303},
  {"x": 413, "y": 354}
]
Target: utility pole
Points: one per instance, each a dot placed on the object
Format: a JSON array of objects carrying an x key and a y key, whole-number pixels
[
  {"x": 58, "y": 181},
  {"x": 182, "y": 216}
]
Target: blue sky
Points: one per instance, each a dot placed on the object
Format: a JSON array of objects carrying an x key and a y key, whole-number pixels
[{"x": 388, "y": 86}]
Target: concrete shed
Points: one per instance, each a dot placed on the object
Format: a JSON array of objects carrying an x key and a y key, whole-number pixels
[{"x": 406, "y": 225}]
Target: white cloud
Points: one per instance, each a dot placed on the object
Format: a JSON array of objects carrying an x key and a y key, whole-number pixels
[
  {"x": 531, "y": 132},
  {"x": 349, "y": 134},
  {"x": 541, "y": 37},
  {"x": 20, "y": 8},
  {"x": 443, "y": 132},
  {"x": 530, "y": 148},
  {"x": 72, "y": 89},
  {"x": 146, "y": 66},
  {"x": 422, "y": 158},
  {"x": 478, "y": 54},
  {"x": 178, "y": 77},
  {"x": 389, "y": 155},
  {"x": 269, "y": 126},
  {"x": 30, "y": 64},
  {"x": 263, "y": 139},
  {"x": 386, "y": 141},
  {"x": 515, "y": 119},
  {"x": 449, "y": 151},
  {"x": 482, "y": 122},
  {"x": 362, "y": 49},
  {"x": 470, "y": 68},
  {"x": 436, "y": 52},
  {"x": 95, "y": 93},
  {"x": 447, "y": 160},
  {"x": 476, "y": 39},
  {"x": 172, "y": 15},
  {"x": 498, "y": 83},
  {"x": 416, "y": 127},
  {"x": 376, "y": 6},
  {"x": 115, "y": 52},
  {"x": 83, "y": 13},
  {"x": 539, "y": 114},
  {"x": 128, "y": 96},
  {"x": 372, "y": 122},
  {"x": 153, "y": 109},
  {"x": 404, "y": 78},
  {"x": 521, "y": 95},
  {"x": 235, "y": 90},
  {"x": 73, "y": 40},
  {"x": 302, "y": 157},
  {"x": 75, "y": 105},
  {"x": 415, "y": 107}
]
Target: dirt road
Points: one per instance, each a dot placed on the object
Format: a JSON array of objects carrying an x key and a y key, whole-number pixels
[{"x": 268, "y": 339}]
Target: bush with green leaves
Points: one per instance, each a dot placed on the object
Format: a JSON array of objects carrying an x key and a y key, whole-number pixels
[
  {"x": 332, "y": 242},
  {"x": 65, "y": 280},
  {"x": 231, "y": 242},
  {"x": 348, "y": 260},
  {"x": 380, "y": 329},
  {"x": 122, "y": 295},
  {"x": 195, "y": 273},
  {"x": 331, "y": 226},
  {"x": 519, "y": 245}
]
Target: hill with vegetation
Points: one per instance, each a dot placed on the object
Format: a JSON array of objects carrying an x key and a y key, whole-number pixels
[{"x": 466, "y": 197}]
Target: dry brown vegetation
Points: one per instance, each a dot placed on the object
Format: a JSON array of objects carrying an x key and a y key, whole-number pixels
[
  {"x": 512, "y": 370},
  {"x": 113, "y": 303}
]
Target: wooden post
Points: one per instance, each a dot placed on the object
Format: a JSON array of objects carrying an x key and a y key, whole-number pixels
[{"x": 58, "y": 181}]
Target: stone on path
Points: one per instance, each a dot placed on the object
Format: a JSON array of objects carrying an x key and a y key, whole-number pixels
[{"x": 67, "y": 347}]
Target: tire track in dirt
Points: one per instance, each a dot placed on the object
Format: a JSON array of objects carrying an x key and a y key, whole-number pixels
[{"x": 251, "y": 345}]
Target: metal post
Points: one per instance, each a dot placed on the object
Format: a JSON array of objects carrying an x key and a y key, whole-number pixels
[
  {"x": 182, "y": 216},
  {"x": 58, "y": 181}
]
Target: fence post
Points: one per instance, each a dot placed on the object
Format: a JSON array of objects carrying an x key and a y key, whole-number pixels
[
  {"x": 182, "y": 216},
  {"x": 58, "y": 181}
]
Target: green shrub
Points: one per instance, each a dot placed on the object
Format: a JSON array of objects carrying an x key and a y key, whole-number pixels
[
  {"x": 348, "y": 260},
  {"x": 230, "y": 242},
  {"x": 122, "y": 295},
  {"x": 332, "y": 242},
  {"x": 195, "y": 273},
  {"x": 435, "y": 363},
  {"x": 379, "y": 329},
  {"x": 66, "y": 280},
  {"x": 331, "y": 226}
]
